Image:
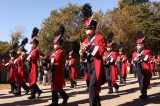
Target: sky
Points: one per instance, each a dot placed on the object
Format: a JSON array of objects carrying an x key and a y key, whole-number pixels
[{"x": 31, "y": 13}]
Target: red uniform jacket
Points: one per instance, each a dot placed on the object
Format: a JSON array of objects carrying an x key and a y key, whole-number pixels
[
  {"x": 21, "y": 75},
  {"x": 146, "y": 67},
  {"x": 13, "y": 72},
  {"x": 1, "y": 66},
  {"x": 73, "y": 69},
  {"x": 85, "y": 72},
  {"x": 83, "y": 64},
  {"x": 123, "y": 64},
  {"x": 113, "y": 65},
  {"x": 86, "y": 76},
  {"x": 152, "y": 64},
  {"x": 128, "y": 65},
  {"x": 34, "y": 67},
  {"x": 58, "y": 64},
  {"x": 158, "y": 58},
  {"x": 99, "y": 42}
]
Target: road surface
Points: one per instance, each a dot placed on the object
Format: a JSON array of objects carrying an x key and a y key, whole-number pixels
[{"x": 128, "y": 95}]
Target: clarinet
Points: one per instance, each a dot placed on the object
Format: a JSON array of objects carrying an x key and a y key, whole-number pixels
[
  {"x": 119, "y": 63},
  {"x": 139, "y": 57},
  {"x": 86, "y": 49},
  {"x": 67, "y": 66},
  {"x": 107, "y": 64},
  {"x": 139, "y": 62}
]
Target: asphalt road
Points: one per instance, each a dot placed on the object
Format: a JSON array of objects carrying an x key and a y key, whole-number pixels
[{"x": 128, "y": 95}]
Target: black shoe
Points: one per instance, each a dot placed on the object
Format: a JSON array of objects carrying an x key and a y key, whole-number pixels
[
  {"x": 10, "y": 91},
  {"x": 52, "y": 104},
  {"x": 143, "y": 97},
  {"x": 32, "y": 97},
  {"x": 75, "y": 84},
  {"x": 72, "y": 87},
  {"x": 111, "y": 91},
  {"x": 87, "y": 89},
  {"x": 26, "y": 92},
  {"x": 39, "y": 94},
  {"x": 121, "y": 82},
  {"x": 17, "y": 92},
  {"x": 117, "y": 89},
  {"x": 65, "y": 100}
]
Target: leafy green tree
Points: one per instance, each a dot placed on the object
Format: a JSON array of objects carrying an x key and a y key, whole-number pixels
[
  {"x": 128, "y": 20},
  {"x": 148, "y": 18},
  {"x": 124, "y": 22},
  {"x": 15, "y": 36},
  {"x": 4, "y": 49},
  {"x": 123, "y": 3},
  {"x": 67, "y": 16}
]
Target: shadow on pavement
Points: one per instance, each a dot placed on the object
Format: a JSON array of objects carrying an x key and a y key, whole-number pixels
[
  {"x": 153, "y": 99},
  {"x": 24, "y": 102}
]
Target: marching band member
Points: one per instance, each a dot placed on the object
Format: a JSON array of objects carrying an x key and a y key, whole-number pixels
[
  {"x": 141, "y": 58},
  {"x": 13, "y": 70},
  {"x": 33, "y": 57},
  {"x": 57, "y": 68},
  {"x": 92, "y": 49},
  {"x": 121, "y": 63},
  {"x": 152, "y": 65},
  {"x": 71, "y": 68},
  {"x": 109, "y": 58},
  {"x": 21, "y": 73}
]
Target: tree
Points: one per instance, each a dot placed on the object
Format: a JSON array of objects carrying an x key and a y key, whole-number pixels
[
  {"x": 148, "y": 20},
  {"x": 124, "y": 22},
  {"x": 123, "y": 25},
  {"x": 123, "y": 3},
  {"x": 70, "y": 17},
  {"x": 17, "y": 35},
  {"x": 67, "y": 16},
  {"x": 4, "y": 49}
]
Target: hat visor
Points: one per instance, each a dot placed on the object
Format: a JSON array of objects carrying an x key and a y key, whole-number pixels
[
  {"x": 139, "y": 41},
  {"x": 25, "y": 50},
  {"x": 109, "y": 45},
  {"x": 55, "y": 40}
]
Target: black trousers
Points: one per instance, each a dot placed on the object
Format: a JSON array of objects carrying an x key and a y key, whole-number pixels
[
  {"x": 73, "y": 83},
  {"x": 110, "y": 86},
  {"x": 141, "y": 79},
  {"x": 94, "y": 99},
  {"x": 109, "y": 79},
  {"x": 24, "y": 86},
  {"x": 120, "y": 72},
  {"x": 87, "y": 83},
  {"x": 35, "y": 89},
  {"x": 13, "y": 87},
  {"x": 158, "y": 69},
  {"x": 134, "y": 71},
  {"x": 125, "y": 77},
  {"x": 62, "y": 93}
]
